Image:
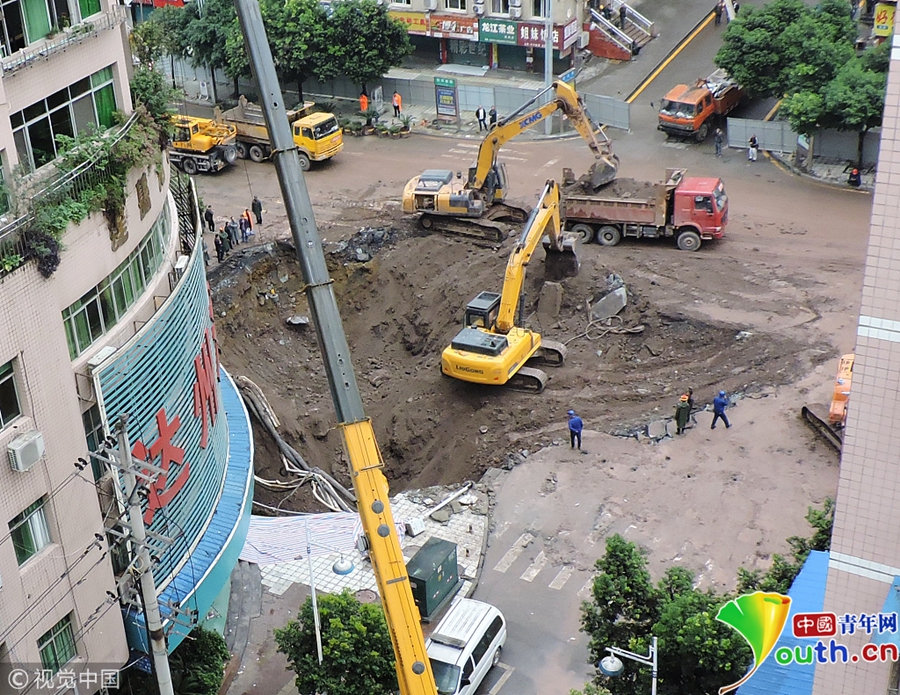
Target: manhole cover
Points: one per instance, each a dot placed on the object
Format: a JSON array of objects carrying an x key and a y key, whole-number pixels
[{"x": 366, "y": 596}]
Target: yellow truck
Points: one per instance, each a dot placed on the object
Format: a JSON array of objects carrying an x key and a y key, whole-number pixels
[{"x": 317, "y": 135}]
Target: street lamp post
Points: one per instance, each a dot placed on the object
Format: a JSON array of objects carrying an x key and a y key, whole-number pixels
[
  {"x": 612, "y": 666},
  {"x": 342, "y": 567}
]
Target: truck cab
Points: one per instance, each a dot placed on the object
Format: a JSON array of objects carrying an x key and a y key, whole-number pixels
[
  {"x": 319, "y": 135},
  {"x": 685, "y": 111},
  {"x": 701, "y": 204}
]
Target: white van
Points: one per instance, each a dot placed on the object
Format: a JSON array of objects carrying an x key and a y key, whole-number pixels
[{"x": 464, "y": 646}]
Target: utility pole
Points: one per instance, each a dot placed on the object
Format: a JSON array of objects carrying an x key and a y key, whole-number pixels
[
  {"x": 548, "y": 61},
  {"x": 142, "y": 562}
]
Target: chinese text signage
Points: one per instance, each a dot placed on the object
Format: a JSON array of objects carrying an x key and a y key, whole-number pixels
[
  {"x": 445, "y": 98},
  {"x": 415, "y": 22},
  {"x": 497, "y": 31},
  {"x": 884, "y": 19},
  {"x": 454, "y": 27},
  {"x": 533, "y": 35}
]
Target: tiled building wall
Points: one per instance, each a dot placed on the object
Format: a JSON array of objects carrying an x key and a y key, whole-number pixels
[{"x": 865, "y": 547}]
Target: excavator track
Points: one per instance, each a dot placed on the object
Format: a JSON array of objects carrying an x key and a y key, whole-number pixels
[
  {"x": 816, "y": 416},
  {"x": 484, "y": 229},
  {"x": 551, "y": 353},
  {"x": 504, "y": 212},
  {"x": 528, "y": 379}
]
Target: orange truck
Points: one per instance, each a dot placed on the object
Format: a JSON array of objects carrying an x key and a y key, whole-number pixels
[{"x": 688, "y": 111}]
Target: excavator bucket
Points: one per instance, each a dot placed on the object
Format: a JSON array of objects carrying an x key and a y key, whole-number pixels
[
  {"x": 561, "y": 263},
  {"x": 603, "y": 171}
]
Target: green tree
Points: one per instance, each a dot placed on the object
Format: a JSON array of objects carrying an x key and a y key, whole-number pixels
[
  {"x": 696, "y": 653},
  {"x": 805, "y": 111},
  {"x": 362, "y": 42},
  {"x": 206, "y": 31},
  {"x": 150, "y": 90},
  {"x": 356, "y": 647},
  {"x": 148, "y": 41},
  {"x": 197, "y": 665},
  {"x": 785, "y": 47},
  {"x": 162, "y": 34},
  {"x": 854, "y": 100}
]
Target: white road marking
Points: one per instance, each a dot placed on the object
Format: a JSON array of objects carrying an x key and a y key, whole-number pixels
[
  {"x": 507, "y": 158},
  {"x": 560, "y": 580},
  {"x": 535, "y": 568},
  {"x": 469, "y": 145},
  {"x": 505, "y": 677},
  {"x": 499, "y": 531},
  {"x": 548, "y": 164},
  {"x": 514, "y": 552},
  {"x": 586, "y": 590}
]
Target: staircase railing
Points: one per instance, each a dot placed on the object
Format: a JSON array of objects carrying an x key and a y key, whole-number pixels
[
  {"x": 635, "y": 17},
  {"x": 616, "y": 35}
]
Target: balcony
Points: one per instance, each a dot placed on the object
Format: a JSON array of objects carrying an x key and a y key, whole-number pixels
[{"x": 66, "y": 38}]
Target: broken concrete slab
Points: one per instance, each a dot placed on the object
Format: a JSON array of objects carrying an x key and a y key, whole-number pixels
[
  {"x": 610, "y": 305},
  {"x": 657, "y": 429},
  {"x": 550, "y": 301}
]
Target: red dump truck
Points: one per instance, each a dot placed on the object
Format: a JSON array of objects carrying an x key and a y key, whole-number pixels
[
  {"x": 691, "y": 209},
  {"x": 688, "y": 111}
]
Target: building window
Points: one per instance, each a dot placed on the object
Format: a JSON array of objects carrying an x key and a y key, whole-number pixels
[
  {"x": 401, "y": 2},
  {"x": 9, "y": 399},
  {"x": 103, "y": 306},
  {"x": 71, "y": 110},
  {"x": 540, "y": 8},
  {"x": 57, "y": 645},
  {"x": 499, "y": 6},
  {"x": 455, "y": 4},
  {"x": 27, "y": 21},
  {"x": 29, "y": 532},
  {"x": 94, "y": 433}
]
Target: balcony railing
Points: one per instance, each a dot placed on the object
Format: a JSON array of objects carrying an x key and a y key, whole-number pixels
[
  {"x": 64, "y": 39},
  {"x": 86, "y": 175}
]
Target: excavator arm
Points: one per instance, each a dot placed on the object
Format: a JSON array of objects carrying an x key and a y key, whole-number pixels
[
  {"x": 544, "y": 217},
  {"x": 568, "y": 102}
]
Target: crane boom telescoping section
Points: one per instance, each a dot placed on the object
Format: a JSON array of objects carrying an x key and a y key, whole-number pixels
[{"x": 414, "y": 672}]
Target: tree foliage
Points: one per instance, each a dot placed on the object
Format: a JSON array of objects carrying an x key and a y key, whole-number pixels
[
  {"x": 356, "y": 647},
  {"x": 150, "y": 90},
  {"x": 696, "y": 653},
  {"x": 197, "y": 664},
  {"x": 363, "y": 42}
]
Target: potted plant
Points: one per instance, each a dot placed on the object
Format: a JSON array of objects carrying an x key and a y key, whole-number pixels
[
  {"x": 396, "y": 131},
  {"x": 371, "y": 116},
  {"x": 405, "y": 124}
]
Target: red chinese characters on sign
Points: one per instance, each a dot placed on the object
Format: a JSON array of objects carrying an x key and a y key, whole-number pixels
[
  {"x": 814, "y": 624},
  {"x": 416, "y": 22},
  {"x": 206, "y": 394},
  {"x": 159, "y": 494},
  {"x": 454, "y": 27}
]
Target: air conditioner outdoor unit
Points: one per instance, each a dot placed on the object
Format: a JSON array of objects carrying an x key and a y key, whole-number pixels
[
  {"x": 515, "y": 3},
  {"x": 431, "y": 5},
  {"x": 515, "y": 12},
  {"x": 181, "y": 265},
  {"x": 25, "y": 450},
  {"x": 584, "y": 38},
  {"x": 479, "y": 9}
]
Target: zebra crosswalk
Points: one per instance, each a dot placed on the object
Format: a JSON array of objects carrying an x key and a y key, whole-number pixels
[
  {"x": 541, "y": 565},
  {"x": 462, "y": 151}
]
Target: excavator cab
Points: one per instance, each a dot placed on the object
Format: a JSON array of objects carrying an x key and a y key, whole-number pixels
[
  {"x": 496, "y": 183},
  {"x": 482, "y": 311}
]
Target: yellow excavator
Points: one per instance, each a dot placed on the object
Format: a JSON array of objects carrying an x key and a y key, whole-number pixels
[
  {"x": 491, "y": 348},
  {"x": 475, "y": 207}
]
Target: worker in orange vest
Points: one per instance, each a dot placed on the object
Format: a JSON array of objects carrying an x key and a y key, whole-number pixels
[
  {"x": 397, "y": 101},
  {"x": 363, "y": 101}
]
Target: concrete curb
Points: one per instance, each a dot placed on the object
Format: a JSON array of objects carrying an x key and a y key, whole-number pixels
[{"x": 788, "y": 167}]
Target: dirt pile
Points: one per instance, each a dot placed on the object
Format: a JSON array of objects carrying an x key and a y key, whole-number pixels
[{"x": 404, "y": 304}]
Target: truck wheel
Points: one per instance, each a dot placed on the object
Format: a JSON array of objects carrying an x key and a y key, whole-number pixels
[
  {"x": 241, "y": 148},
  {"x": 702, "y": 132},
  {"x": 689, "y": 241},
  {"x": 584, "y": 232},
  {"x": 609, "y": 236},
  {"x": 189, "y": 166},
  {"x": 304, "y": 161},
  {"x": 229, "y": 154},
  {"x": 256, "y": 153}
]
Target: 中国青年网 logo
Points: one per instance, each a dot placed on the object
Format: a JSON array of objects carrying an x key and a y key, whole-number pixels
[{"x": 760, "y": 619}]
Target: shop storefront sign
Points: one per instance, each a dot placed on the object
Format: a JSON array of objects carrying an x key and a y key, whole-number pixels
[
  {"x": 454, "y": 27},
  {"x": 416, "y": 22},
  {"x": 534, "y": 35},
  {"x": 497, "y": 31},
  {"x": 884, "y": 19}
]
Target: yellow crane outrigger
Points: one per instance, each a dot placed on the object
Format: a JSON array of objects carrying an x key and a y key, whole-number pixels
[
  {"x": 475, "y": 207},
  {"x": 493, "y": 347}
]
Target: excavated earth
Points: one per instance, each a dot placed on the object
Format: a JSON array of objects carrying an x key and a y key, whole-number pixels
[{"x": 402, "y": 293}]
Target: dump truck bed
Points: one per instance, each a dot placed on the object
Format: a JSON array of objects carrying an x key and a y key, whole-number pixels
[
  {"x": 623, "y": 200},
  {"x": 251, "y": 123}
]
